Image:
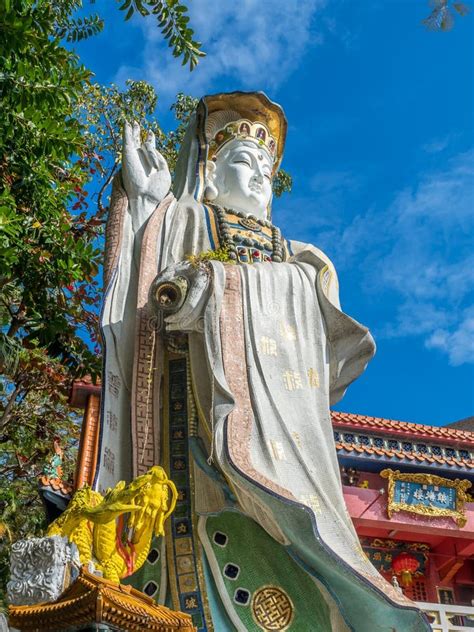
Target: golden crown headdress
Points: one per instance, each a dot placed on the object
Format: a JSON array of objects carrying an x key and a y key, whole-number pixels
[
  {"x": 243, "y": 129},
  {"x": 249, "y": 116}
]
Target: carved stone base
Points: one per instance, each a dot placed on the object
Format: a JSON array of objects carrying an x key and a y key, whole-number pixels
[
  {"x": 94, "y": 604},
  {"x": 41, "y": 569}
]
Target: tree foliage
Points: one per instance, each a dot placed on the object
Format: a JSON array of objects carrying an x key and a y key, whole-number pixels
[
  {"x": 35, "y": 414},
  {"x": 174, "y": 25},
  {"x": 442, "y": 15},
  {"x": 60, "y": 147},
  {"x": 45, "y": 257},
  {"x": 48, "y": 263},
  {"x": 102, "y": 111},
  {"x": 282, "y": 183}
]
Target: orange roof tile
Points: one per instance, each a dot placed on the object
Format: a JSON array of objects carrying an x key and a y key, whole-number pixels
[
  {"x": 405, "y": 428},
  {"x": 56, "y": 484},
  {"x": 349, "y": 447},
  {"x": 91, "y": 600}
]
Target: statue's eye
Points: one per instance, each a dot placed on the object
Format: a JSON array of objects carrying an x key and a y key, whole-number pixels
[{"x": 243, "y": 160}]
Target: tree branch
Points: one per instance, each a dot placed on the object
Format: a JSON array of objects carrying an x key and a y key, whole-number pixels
[
  {"x": 101, "y": 207},
  {"x": 8, "y": 408},
  {"x": 17, "y": 321}
]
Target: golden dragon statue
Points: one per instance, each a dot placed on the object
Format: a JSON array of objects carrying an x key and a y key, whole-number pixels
[{"x": 104, "y": 534}]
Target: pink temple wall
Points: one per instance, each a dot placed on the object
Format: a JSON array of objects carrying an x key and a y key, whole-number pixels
[{"x": 450, "y": 544}]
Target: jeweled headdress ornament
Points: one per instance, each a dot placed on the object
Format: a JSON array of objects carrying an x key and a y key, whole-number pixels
[
  {"x": 242, "y": 129},
  {"x": 249, "y": 116}
]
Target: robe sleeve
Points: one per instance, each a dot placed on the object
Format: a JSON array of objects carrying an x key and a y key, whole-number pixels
[
  {"x": 351, "y": 345},
  {"x": 126, "y": 333}
]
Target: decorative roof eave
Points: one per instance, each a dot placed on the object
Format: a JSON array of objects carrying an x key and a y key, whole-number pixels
[
  {"x": 91, "y": 599},
  {"x": 55, "y": 485},
  {"x": 442, "y": 434},
  {"x": 396, "y": 457}
]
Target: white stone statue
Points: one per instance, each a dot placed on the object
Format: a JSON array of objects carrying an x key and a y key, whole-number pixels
[{"x": 231, "y": 391}]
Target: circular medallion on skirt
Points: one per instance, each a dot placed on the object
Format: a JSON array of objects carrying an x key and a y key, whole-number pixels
[
  {"x": 250, "y": 224},
  {"x": 272, "y": 609}
]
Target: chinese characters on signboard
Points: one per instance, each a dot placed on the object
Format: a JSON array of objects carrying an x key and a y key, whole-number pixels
[
  {"x": 426, "y": 494},
  {"x": 381, "y": 553},
  {"x": 411, "y": 493},
  {"x": 382, "y": 560}
]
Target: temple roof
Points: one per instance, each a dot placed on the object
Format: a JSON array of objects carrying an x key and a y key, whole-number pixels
[
  {"x": 398, "y": 443},
  {"x": 92, "y": 599},
  {"x": 463, "y": 424},
  {"x": 56, "y": 485},
  {"x": 442, "y": 434},
  {"x": 404, "y": 455}
]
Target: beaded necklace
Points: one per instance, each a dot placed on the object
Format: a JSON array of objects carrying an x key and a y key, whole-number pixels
[{"x": 249, "y": 222}]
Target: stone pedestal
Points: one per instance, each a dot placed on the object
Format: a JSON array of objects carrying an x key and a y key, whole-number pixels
[
  {"x": 41, "y": 569},
  {"x": 94, "y": 604}
]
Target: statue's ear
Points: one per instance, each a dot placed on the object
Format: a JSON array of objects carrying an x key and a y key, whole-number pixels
[{"x": 210, "y": 189}]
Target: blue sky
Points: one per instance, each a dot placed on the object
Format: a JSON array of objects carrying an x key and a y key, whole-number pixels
[{"x": 380, "y": 146}]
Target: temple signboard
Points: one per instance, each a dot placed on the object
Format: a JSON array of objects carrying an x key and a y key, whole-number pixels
[{"x": 426, "y": 494}]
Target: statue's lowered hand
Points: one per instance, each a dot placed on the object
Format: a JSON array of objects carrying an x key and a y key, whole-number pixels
[
  {"x": 145, "y": 171},
  {"x": 180, "y": 293}
]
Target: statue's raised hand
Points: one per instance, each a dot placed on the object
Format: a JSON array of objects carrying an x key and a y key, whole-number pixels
[{"x": 145, "y": 172}]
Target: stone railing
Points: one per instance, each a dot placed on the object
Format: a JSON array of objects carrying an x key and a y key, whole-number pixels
[{"x": 446, "y": 618}]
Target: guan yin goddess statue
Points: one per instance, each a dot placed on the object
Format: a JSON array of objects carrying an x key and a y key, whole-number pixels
[{"x": 225, "y": 345}]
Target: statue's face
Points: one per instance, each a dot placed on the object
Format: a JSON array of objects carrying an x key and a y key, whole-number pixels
[{"x": 242, "y": 176}]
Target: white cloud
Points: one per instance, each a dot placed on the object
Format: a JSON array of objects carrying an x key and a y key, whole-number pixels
[
  {"x": 437, "y": 145},
  {"x": 418, "y": 318},
  {"x": 419, "y": 253},
  {"x": 253, "y": 44},
  {"x": 430, "y": 255},
  {"x": 458, "y": 344}
]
